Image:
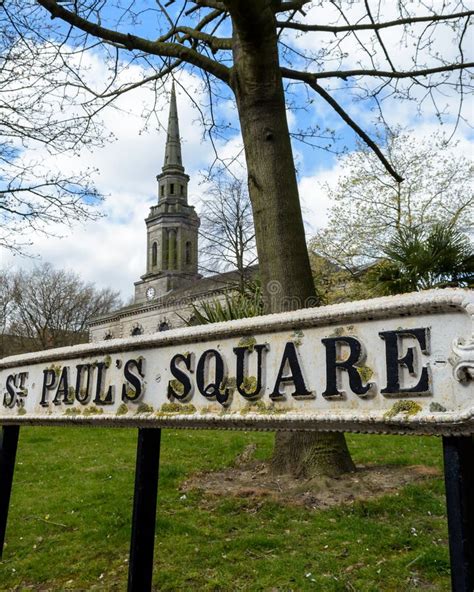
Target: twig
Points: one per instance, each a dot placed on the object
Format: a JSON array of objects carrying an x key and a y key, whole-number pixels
[{"x": 51, "y": 522}]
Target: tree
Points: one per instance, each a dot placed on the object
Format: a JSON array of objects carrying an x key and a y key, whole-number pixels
[
  {"x": 371, "y": 209},
  {"x": 333, "y": 284},
  {"x": 6, "y": 302},
  {"x": 423, "y": 258},
  {"x": 251, "y": 49},
  {"x": 227, "y": 229},
  {"x": 51, "y": 307},
  {"x": 34, "y": 113}
]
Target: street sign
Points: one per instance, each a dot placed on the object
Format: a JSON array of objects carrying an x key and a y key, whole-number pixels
[{"x": 401, "y": 364}]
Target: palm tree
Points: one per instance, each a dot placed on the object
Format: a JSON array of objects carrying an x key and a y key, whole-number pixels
[
  {"x": 419, "y": 259},
  {"x": 234, "y": 305}
]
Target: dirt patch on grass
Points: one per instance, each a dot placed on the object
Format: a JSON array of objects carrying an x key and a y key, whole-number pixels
[{"x": 254, "y": 480}]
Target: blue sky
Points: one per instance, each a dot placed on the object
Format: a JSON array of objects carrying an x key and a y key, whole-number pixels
[{"x": 111, "y": 251}]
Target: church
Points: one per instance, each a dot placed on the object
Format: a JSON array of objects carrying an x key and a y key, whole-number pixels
[{"x": 165, "y": 294}]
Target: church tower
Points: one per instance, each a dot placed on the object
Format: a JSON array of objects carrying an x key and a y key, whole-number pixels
[{"x": 172, "y": 225}]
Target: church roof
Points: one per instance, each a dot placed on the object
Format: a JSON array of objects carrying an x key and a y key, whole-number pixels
[{"x": 203, "y": 288}]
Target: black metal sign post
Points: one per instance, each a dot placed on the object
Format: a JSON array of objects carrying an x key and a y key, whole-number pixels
[
  {"x": 8, "y": 445},
  {"x": 459, "y": 480},
  {"x": 142, "y": 543}
]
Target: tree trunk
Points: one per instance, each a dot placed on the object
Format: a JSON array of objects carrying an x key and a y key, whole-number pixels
[
  {"x": 283, "y": 256},
  {"x": 308, "y": 454},
  {"x": 285, "y": 271}
]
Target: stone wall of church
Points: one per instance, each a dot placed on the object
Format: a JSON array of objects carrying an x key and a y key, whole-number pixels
[{"x": 147, "y": 320}]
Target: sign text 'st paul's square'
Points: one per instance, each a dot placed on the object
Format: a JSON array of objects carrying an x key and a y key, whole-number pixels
[{"x": 389, "y": 364}]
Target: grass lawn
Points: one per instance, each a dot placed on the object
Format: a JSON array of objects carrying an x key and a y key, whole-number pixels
[{"x": 69, "y": 523}]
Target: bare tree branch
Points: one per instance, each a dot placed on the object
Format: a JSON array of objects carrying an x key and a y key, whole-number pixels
[
  {"x": 345, "y": 74},
  {"x": 353, "y": 125},
  {"x": 133, "y": 42}
]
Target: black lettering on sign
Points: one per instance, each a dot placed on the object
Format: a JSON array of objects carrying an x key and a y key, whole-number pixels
[
  {"x": 9, "y": 398},
  {"x": 83, "y": 388},
  {"x": 49, "y": 383},
  {"x": 350, "y": 365},
  {"x": 109, "y": 397},
  {"x": 134, "y": 372},
  {"x": 394, "y": 362},
  {"x": 22, "y": 390},
  {"x": 215, "y": 390},
  {"x": 181, "y": 387},
  {"x": 16, "y": 390},
  {"x": 290, "y": 360},
  {"x": 22, "y": 378},
  {"x": 62, "y": 391},
  {"x": 249, "y": 387},
  {"x": 100, "y": 366}
]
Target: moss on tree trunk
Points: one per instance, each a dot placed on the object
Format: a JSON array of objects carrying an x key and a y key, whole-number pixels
[{"x": 283, "y": 255}]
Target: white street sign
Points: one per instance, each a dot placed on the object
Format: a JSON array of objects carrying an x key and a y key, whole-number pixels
[{"x": 401, "y": 364}]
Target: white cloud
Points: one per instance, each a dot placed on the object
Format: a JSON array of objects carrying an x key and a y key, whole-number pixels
[{"x": 314, "y": 199}]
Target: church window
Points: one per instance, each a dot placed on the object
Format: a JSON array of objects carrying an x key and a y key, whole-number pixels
[
  {"x": 162, "y": 189},
  {"x": 171, "y": 188},
  {"x": 181, "y": 189},
  {"x": 154, "y": 254},
  {"x": 188, "y": 252}
]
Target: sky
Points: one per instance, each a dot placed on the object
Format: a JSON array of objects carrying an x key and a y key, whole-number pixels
[{"x": 111, "y": 251}]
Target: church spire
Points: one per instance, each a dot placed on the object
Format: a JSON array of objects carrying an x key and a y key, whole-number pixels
[
  {"x": 173, "y": 142},
  {"x": 172, "y": 224}
]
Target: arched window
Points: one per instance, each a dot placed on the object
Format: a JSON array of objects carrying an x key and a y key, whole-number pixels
[
  {"x": 188, "y": 252},
  {"x": 181, "y": 189},
  {"x": 154, "y": 254},
  {"x": 137, "y": 330}
]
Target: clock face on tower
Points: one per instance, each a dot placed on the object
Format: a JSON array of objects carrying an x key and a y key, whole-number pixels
[{"x": 150, "y": 293}]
